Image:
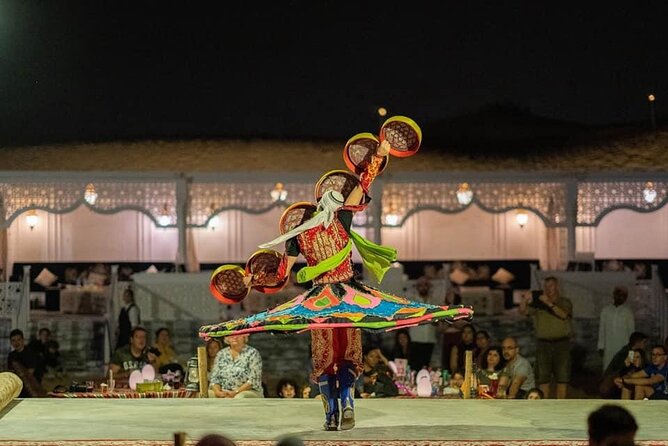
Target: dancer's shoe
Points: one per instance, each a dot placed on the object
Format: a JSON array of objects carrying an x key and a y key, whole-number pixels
[
  {"x": 347, "y": 378},
  {"x": 330, "y": 400}
]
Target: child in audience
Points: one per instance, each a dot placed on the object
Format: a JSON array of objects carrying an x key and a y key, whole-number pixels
[
  {"x": 455, "y": 385},
  {"x": 535, "y": 394},
  {"x": 286, "y": 388}
]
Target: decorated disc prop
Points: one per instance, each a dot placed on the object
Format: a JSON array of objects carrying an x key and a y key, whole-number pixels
[
  {"x": 295, "y": 215},
  {"x": 263, "y": 265},
  {"x": 339, "y": 180},
  {"x": 403, "y": 134},
  {"x": 227, "y": 284},
  {"x": 358, "y": 151}
]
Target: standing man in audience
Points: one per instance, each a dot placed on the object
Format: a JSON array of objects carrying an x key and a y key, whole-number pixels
[
  {"x": 128, "y": 318},
  {"x": 616, "y": 324},
  {"x": 552, "y": 321},
  {"x": 519, "y": 370},
  {"x": 611, "y": 425},
  {"x": 423, "y": 337}
]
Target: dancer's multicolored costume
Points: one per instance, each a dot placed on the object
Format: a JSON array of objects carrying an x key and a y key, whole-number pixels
[{"x": 336, "y": 307}]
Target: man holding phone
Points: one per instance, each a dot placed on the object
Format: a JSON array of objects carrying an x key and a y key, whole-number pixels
[{"x": 552, "y": 321}]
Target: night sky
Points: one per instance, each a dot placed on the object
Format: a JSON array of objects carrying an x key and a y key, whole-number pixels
[{"x": 72, "y": 71}]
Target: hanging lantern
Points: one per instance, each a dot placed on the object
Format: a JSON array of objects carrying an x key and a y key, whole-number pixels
[
  {"x": 649, "y": 193},
  {"x": 279, "y": 193},
  {"x": 214, "y": 221},
  {"x": 164, "y": 219},
  {"x": 464, "y": 194},
  {"x": 90, "y": 195},
  {"x": 522, "y": 218},
  {"x": 32, "y": 219}
]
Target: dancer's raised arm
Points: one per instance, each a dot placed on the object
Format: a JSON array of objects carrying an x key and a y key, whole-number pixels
[{"x": 370, "y": 173}]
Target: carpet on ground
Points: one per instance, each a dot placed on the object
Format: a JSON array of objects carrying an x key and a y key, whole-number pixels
[{"x": 326, "y": 443}]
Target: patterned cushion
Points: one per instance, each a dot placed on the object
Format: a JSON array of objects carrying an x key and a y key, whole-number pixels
[
  {"x": 503, "y": 276},
  {"x": 459, "y": 277},
  {"x": 46, "y": 278}
]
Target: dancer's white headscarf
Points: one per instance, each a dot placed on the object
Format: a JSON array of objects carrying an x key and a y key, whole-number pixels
[{"x": 327, "y": 206}]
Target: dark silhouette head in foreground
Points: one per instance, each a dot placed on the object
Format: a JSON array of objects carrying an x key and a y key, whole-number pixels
[
  {"x": 611, "y": 425},
  {"x": 290, "y": 441},
  {"x": 215, "y": 440}
]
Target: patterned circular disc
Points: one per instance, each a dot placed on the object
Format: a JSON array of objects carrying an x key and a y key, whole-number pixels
[
  {"x": 338, "y": 180},
  {"x": 403, "y": 134},
  {"x": 227, "y": 284},
  {"x": 295, "y": 215},
  {"x": 266, "y": 262},
  {"x": 358, "y": 151}
]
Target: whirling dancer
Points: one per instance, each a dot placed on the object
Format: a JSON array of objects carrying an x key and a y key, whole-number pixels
[{"x": 336, "y": 307}]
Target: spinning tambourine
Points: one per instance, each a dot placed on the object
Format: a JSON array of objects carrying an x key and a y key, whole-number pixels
[
  {"x": 338, "y": 180},
  {"x": 403, "y": 134},
  {"x": 359, "y": 150},
  {"x": 265, "y": 266},
  {"x": 227, "y": 284},
  {"x": 295, "y": 215}
]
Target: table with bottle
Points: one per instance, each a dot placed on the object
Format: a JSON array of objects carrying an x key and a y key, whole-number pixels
[{"x": 428, "y": 383}]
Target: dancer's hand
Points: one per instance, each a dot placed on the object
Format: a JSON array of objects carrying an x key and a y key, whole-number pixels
[{"x": 383, "y": 149}]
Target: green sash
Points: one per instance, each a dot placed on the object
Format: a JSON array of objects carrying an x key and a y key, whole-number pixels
[{"x": 376, "y": 258}]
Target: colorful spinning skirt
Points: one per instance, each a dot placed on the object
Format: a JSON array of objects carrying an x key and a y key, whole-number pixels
[{"x": 340, "y": 305}]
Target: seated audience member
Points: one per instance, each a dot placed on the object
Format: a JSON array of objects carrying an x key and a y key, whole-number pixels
[
  {"x": 520, "y": 373},
  {"x": 650, "y": 382},
  {"x": 377, "y": 376},
  {"x": 455, "y": 385},
  {"x": 238, "y": 370},
  {"x": 637, "y": 341},
  {"x": 457, "y": 354},
  {"x": 213, "y": 346},
  {"x": 402, "y": 345},
  {"x": 634, "y": 362},
  {"x": 286, "y": 388},
  {"x": 47, "y": 349},
  {"x": 26, "y": 364},
  {"x": 493, "y": 364},
  {"x": 133, "y": 356},
  {"x": 310, "y": 390},
  {"x": 535, "y": 394},
  {"x": 482, "y": 342},
  {"x": 619, "y": 362},
  {"x": 611, "y": 425},
  {"x": 167, "y": 359}
]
